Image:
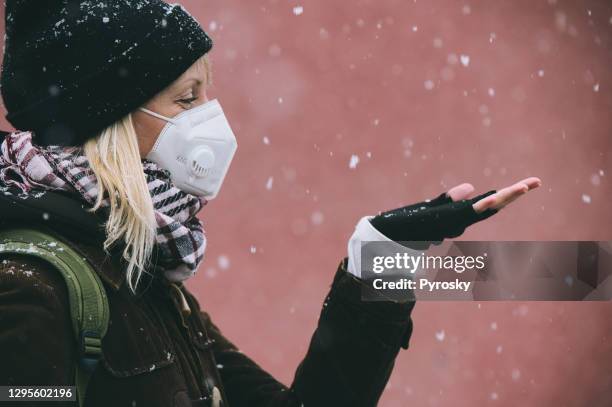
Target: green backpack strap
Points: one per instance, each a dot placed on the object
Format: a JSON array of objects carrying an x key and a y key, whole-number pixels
[{"x": 88, "y": 302}]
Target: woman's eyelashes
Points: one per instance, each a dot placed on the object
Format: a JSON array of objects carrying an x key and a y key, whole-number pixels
[{"x": 188, "y": 101}]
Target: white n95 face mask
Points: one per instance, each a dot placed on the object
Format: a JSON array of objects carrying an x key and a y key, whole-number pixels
[{"x": 197, "y": 147}]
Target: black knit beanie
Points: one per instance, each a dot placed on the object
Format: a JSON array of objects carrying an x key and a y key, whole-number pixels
[{"x": 73, "y": 67}]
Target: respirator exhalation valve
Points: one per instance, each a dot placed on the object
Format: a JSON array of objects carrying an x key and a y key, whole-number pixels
[{"x": 201, "y": 161}]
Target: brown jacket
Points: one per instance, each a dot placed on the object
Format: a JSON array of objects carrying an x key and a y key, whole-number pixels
[{"x": 162, "y": 349}]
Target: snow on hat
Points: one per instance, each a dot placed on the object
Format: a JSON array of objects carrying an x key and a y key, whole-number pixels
[{"x": 72, "y": 68}]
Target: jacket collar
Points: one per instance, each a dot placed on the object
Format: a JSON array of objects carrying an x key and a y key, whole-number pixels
[
  {"x": 109, "y": 266},
  {"x": 67, "y": 217}
]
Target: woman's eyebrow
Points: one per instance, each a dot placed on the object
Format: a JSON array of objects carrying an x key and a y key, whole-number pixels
[
  {"x": 183, "y": 86},
  {"x": 190, "y": 80}
]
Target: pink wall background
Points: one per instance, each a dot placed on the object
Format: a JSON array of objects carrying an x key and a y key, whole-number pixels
[{"x": 385, "y": 80}]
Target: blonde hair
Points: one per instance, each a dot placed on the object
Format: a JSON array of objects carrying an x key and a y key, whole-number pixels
[
  {"x": 208, "y": 68},
  {"x": 114, "y": 158}
]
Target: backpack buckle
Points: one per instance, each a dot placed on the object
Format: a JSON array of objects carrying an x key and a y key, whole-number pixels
[{"x": 90, "y": 349}]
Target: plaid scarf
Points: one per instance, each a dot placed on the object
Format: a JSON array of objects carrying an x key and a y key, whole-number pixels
[{"x": 180, "y": 235}]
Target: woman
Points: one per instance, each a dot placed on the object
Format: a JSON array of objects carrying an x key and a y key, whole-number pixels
[{"x": 117, "y": 151}]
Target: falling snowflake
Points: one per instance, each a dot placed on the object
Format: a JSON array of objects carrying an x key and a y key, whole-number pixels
[
  {"x": 269, "y": 183},
  {"x": 429, "y": 84},
  {"x": 586, "y": 198},
  {"x": 266, "y": 140},
  {"x": 353, "y": 162},
  {"x": 407, "y": 143},
  {"x": 521, "y": 310},
  {"x": 223, "y": 262},
  {"x": 274, "y": 50},
  {"x": 54, "y": 90},
  {"x": 298, "y": 10},
  {"x": 465, "y": 60},
  {"x": 105, "y": 20},
  {"x": 440, "y": 335},
  {"x": 316, "y": 218}
]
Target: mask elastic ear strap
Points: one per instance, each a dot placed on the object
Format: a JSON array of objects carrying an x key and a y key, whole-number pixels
[{"x": 159, "y": 116}]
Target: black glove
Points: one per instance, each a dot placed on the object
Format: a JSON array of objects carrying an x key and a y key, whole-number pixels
[{"x": 432, "y": 221}]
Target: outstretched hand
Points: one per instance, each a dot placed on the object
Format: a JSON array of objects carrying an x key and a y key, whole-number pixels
[
  {"x": 497, "y": 200},
  {"x": 449, "y": 214}
]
